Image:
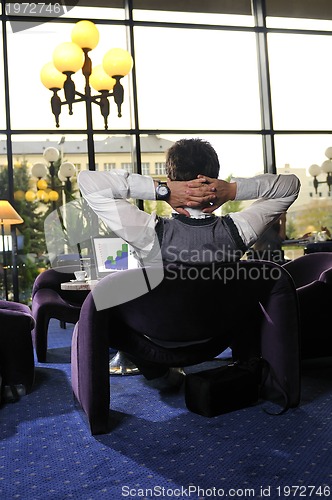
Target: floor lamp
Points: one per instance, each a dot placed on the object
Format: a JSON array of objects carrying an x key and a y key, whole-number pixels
[{"x": 8, "y": 216}]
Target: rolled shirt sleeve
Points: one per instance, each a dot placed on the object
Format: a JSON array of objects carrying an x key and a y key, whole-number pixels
[
  {"x": 274, "y": 194},
  {"x": 108, "y": 193}
]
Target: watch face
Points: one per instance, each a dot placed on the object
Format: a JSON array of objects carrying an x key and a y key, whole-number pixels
[{"x": 162, "y": 192}]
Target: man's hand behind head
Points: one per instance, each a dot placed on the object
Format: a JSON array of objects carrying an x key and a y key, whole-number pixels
[
  {"x": 204, "y": 192},
  {"x": 199, "y": 194},
  {"x": 224, "y": 191}
]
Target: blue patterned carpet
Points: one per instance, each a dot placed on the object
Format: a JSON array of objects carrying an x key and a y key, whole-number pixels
[{"x": 157, "y": 448}]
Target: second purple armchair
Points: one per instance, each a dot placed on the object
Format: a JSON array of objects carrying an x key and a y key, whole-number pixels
[
  {"x": 312, "y": 275},
  {"x": 49, "y": 301}
]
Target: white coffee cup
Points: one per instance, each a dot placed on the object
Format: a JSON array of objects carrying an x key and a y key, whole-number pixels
[
  {"x": 85, "y": 265},
  {"x": 80, "y": 275}
]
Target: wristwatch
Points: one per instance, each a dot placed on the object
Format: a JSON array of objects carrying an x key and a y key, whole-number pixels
[{"x": 163, "y": 192}]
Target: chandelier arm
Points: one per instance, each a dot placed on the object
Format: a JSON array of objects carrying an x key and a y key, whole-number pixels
[
  {"x": 87, "y": 66},
  {"x": 70, "y": 91},
  {"x": 329, "y": 180},
  {"x": 103, "y": 93},
  {"x": 104, "y": 107},
  {"x": 82, "y": 96},
  {"x": 316, "y": 184},
  {"x": 118, "y": 93},
  {"x": 56, "y": 106}
]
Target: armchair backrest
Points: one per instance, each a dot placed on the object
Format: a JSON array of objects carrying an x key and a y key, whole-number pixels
[
  {"x": 309, "y": 267},
  {"x": 197, "y": 303},
  {"x": 52, "y": 279}
]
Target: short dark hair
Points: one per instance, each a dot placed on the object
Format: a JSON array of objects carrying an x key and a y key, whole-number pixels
[{"x": 188, "y": 158}]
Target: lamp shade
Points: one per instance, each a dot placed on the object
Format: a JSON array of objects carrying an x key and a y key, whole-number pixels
[
  {"x": 328, "y": 153},
  {"x": 117, "y": 62},
  {"x": 314, "y": 170},
  {"x": 66, "y": 171},
  {"x": 19, "y": 195},
  {"x": 42, "y": 195},
  {"x": 327, "y": 166},
  {"x": 8, "y": 214},
  {"x": 30, "y": 196},
  {"x": 100, "y": 80},
  {"x": 51, "y": 154},
  {"x": 39, "y": 170},
  {"x": 42, "y": 184},
  {"x": 53, "y": 195},
  {"x": 51, "y": 78},
  {"x": 85, "y": 34},
  {"x": 68, "y": 57}
]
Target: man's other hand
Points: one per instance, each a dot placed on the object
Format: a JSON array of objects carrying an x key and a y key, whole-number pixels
[{"x": 195, "y": 193}]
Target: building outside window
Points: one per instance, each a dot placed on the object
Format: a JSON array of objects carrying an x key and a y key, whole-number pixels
[
  {"x": 145, "y": 168},
  {"x": 127, "y": 166},
  {"x": 160, "y": 168},
  {"x": 109, "y": 166}
]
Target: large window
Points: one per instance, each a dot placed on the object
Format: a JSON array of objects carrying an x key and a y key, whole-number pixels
[
  {"x": 301, "y": 81},
  {"x": 256, "y": 86},
  {"x": 30, "y": 100},
  {"x": 197, "y": 79}
]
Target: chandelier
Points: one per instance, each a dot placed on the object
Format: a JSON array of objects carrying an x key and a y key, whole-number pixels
[{"x": 70, "y": 57}]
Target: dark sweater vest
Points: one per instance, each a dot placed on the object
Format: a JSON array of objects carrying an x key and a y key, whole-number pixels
[{"x": 184, "y": 240}]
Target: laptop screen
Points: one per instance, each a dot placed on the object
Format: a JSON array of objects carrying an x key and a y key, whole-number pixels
[{"x": 112, "y": 254}]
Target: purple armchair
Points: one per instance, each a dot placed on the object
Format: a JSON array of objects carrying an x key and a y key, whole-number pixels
[
  {"x": 254, "y": 304},
  {"x": 17, "y": 367},
  {"x": 312, "y": 274},
  {"x": 49, "y": 301}
]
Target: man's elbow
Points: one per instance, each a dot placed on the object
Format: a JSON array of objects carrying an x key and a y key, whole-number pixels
[
  {"x": 295, "y": 185},
  {"x": 82, "y": 178},
  {"x": 84, "y": 181}
]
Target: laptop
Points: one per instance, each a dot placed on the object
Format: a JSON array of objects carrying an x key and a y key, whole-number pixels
[{"x": 112, "y": 254}]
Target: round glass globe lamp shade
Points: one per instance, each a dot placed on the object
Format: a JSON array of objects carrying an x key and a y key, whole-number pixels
[
  {"x": 30, "y": 196},
  {"x": 51, "y": 78},
  {"x": 68, "y": 57},
  {"x": 53, "y": 195},
  {"x": 19, "y": 195},
  {"x": 327, "y": 166},
  {"x": 39, "y": 170},
  {"x": 66, "y": 170},
  {"x": 328, "y": 153},
  {"x": 51, "y": 154},
  {"x": 85, "y": 34},
  {"x": 42, "y": 195},
  {"x": 41, "y": 184},
  {"x": 100, "y": 80},
  {"x": 117, "y": 62},
  {"x": 314, "y": 170}
]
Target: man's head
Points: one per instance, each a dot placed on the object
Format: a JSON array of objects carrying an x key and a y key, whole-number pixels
[{"x": 188, "y": 158}]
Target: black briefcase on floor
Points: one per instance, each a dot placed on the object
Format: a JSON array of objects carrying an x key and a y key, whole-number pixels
[{"x": 224, "y": 389}]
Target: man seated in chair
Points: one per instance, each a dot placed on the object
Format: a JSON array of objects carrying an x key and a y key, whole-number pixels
[{"x": 194, "y": 234}]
